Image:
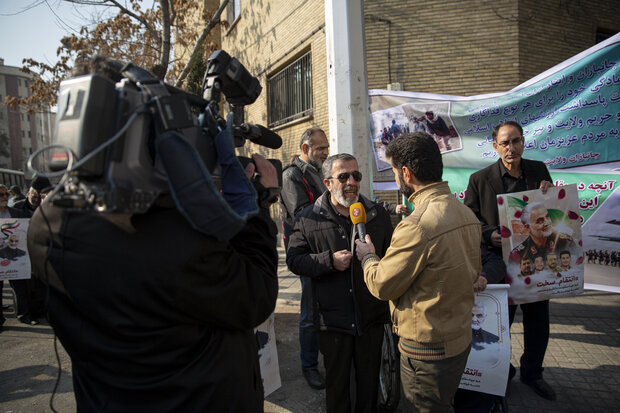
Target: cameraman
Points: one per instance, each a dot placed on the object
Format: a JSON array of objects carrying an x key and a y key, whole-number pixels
[{"x": 155, "y": 315}]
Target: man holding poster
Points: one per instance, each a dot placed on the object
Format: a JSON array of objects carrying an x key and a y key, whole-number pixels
[{"x": 511, "y": 174}]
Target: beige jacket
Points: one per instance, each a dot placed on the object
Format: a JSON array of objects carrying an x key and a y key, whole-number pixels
[{"x": 428, "y": 273}]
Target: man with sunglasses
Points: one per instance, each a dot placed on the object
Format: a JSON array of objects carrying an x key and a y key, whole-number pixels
[
  {"x": 512, "y": 173},
  {"x": 349, "y": 319},
  {"x": 19, "y": 286}
]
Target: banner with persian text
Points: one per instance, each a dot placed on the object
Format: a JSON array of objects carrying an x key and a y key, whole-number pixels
[
  {"x": 570, "y": 115},
  {"x": 571, "y": 120},
  {"x": 541, "y": 244}
]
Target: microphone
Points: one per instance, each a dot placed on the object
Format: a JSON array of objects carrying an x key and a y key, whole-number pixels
[
  {"x": 261, "y": 135},
  {"x": 357, "y": 213}
]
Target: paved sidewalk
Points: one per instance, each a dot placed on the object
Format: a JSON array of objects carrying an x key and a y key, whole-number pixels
[{"x": 582, "y": 362}]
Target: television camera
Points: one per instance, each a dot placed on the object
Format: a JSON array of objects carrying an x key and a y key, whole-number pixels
[{"x": 119, "y": 146}]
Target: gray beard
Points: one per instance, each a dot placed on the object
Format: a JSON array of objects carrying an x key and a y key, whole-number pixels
[{"x": 343, "y": 201}]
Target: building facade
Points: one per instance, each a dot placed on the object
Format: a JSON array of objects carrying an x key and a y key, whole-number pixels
[
  {"x": 445, "y": 47},
  {"x": 21, "y": 133}
]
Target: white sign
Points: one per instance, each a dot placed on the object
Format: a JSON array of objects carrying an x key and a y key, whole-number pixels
[
  {"x": 489, "y": 359},
  {"x": 14, "y": 259}
]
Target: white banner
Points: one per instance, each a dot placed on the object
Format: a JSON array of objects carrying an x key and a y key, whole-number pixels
[
  {"x": 14, "y": 259},
  {"x": 489, "y": 359},
  {"x": 268, "y": 355}
]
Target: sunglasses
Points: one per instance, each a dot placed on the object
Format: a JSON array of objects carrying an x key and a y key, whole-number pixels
[
  {"x": 3, "y": 194},
  {"x": 344, "y": 177}
]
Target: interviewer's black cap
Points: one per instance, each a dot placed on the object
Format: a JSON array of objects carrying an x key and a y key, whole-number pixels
[{"x": 40, "y": 182}]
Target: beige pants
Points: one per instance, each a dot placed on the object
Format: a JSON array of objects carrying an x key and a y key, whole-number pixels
[{"x": 430, "y": 385}]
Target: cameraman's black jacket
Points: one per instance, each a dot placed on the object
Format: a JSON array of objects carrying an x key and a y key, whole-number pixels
[
  {"x": 158, "y": 320},
  {"x": 341, "y": 299}
]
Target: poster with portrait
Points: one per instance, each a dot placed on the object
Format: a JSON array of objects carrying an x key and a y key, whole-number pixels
[
  {"x": 542, "y": 244},
  {"x": 14, "y": 260},
  {"x": 489, "y": 359},
  {"x": 268, "y": 355}
]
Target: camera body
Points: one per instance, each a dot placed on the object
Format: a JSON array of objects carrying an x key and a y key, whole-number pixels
[{"x": 126, "y": 175}]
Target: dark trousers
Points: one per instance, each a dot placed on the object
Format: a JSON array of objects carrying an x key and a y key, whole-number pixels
[
  {"x": 340, "y": 352},
  {"x": 308, "y": 334},
  {"x": 21, "y": 288},
  {"x": 535, "y": 337},
  {"x": 430, "y": 385}
]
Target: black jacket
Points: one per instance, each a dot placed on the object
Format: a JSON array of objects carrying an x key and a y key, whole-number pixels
[
  {"x": 486, "y": 184},
  {"x": 342, "y": 301},
  {"x": 159, "y": 319},
  {"x": 297, "y": 194},
  {"x": 26, "y": 210}
]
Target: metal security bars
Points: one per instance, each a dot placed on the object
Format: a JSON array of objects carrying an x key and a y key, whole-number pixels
[{"x": 290, "y": 92}]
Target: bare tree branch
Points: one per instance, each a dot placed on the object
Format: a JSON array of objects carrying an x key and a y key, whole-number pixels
[
  {"x": 198, "y": 47},
  {"x": 123, "y": 9},
  {"x": 164, "y": 58}
]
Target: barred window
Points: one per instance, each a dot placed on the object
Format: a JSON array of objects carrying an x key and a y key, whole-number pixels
[
  {"x": 290, "y": 92},
  {"x": 234, "y": 10}
]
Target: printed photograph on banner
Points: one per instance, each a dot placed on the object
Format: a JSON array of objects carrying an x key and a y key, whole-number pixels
[
  {"x": 268, "y": 355},
  {"x": 14, "y": 260},
  {"x": 430, "y": 117},
  {"x": 601, "y": 243},
  {"x": 489, "y": 358},
  {"x": 435, "y": 120},
  {"x": 542, "y": 244}
]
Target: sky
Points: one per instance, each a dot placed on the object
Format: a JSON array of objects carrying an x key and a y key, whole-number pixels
[{"x": 33, "y": 28}]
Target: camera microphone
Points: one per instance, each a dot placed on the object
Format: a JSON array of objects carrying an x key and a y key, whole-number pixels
[
  {"x": 357, "y": 213},
  {"x": 261, "y": 135}
]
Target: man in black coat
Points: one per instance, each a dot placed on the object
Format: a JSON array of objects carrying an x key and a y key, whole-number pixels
[
  {"x": 510, "y": 174},
  {"x": 155, "y": 315},
  {"x": 350, "y": 320}
]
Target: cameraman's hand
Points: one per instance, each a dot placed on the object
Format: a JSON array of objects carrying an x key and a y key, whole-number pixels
[{"x": 266, "y": 171}]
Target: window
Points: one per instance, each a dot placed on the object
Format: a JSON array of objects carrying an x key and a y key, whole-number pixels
[
  {"x": 234, "y": 10},
  {"x": 290, "y": 92},
  {"x": 603, "y": 34},
  {"x": 19, "y": 82}
]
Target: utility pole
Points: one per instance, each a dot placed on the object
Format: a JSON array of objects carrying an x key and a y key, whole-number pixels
[{"x": 347, "y": 84}]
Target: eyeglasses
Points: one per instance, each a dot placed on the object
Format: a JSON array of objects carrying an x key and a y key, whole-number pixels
[
  {"x": 3, "y": 194},
  {"x": 344, "y": 177},
  {"x": 514, "y": 142}
]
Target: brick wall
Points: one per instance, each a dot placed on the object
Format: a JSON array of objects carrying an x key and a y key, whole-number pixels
[
  {"x": 268, "y": 37},
  {"x": 444, "y": 46},
  {"x": 552, "y": 31}
]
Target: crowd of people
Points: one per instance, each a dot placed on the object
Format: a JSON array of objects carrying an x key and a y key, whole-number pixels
[
  {"x": 420, "y": 277},
  {"x": 603, "y": 257},
  {"x": 440, "y": 246}
]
